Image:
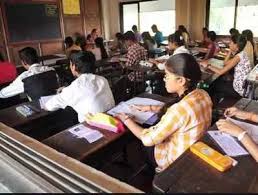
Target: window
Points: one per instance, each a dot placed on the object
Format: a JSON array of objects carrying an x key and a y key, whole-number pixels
[
  {"x": 145, "y": 14},
  {"x": 239, "y": 14},
  {"x": 130, "y": 12},
  {"x": 222, "y": 13},
  {"x": 247, "y": 16}
]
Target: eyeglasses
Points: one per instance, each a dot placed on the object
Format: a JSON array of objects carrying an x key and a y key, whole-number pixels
[{"x": 167, "y": 76}]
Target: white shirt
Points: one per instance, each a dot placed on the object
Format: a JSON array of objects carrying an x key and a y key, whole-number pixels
[
  {"x": 89, "y": 93},
  {"x": 17, "y": 86},
  {"x": 178, "y": 50}
]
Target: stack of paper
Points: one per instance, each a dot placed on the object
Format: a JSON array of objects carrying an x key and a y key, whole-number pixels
[
  {"x": 82, "y": 131},
  {"x": 230, "y": 146},
  {"x": 126, "y": 107}
]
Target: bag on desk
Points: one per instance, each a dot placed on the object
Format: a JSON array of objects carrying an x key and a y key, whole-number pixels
[{"x": 105, "y": 121}]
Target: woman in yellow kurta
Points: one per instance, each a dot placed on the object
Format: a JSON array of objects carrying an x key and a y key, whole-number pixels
[{"x": 184, "y": 122}]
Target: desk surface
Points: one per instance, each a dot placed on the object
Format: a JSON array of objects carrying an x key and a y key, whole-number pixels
[
  {"x": 201, "y": 177},
  {"x": 12, "y": 118},
  {"x": 80, "y": 148}
]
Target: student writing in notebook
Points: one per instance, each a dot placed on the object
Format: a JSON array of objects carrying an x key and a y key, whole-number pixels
[
  {"x": 236, "y": 131},
  {"x": 184, "y": 122},
  {"x": 89, "y": 93},
  {"x": 176, "y": 44},
  {"x": 241, "y": 65}
]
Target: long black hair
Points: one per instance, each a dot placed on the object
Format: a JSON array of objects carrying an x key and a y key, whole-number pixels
[
  {"x": 240, "y": 40},
  {"x": 99, "y": 42},
  {"x": 248, "y": 34},
  {"x": 176, "y": 38},
  {"x": 146, "y": 36},
  {"x": 186, "y": 66}
]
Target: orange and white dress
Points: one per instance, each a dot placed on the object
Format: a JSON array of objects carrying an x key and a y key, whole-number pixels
[{"x": 183, "y": 124}]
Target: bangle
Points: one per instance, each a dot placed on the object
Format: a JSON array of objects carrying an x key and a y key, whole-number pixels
[{"x": 241, "y": 135}]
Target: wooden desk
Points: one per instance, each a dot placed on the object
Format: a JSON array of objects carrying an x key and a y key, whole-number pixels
[
  {"x": 12, "y": 118},
  {"x": 40, "y": 125},
  {"x": 80, "y": 149},
  {"x": 50, "y": 60},
  {"x": 191, "y": 174}
]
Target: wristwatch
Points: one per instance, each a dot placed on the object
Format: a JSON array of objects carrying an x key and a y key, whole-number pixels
[{"x": 241, "y": 135}]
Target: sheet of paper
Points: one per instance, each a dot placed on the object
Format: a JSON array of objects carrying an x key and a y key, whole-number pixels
[
  {"x": 230, "y": 146},
  {"x": 251, "y": 129},
  {"x": 82, "y": 131},
  {"x": 217, "y": 63},
  {"x": 140, "y": 117},
  {"x": 43, "y": 100}
]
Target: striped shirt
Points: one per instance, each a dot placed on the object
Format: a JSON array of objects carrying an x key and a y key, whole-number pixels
[{"x": 183, "y": 124}]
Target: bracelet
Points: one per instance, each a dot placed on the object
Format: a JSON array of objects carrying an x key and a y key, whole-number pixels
[{"x": 241, "y": 135}]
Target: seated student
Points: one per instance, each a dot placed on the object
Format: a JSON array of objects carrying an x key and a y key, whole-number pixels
[
  {"x": 184, "y": 122},
  {"x": 81, "y": 42},
  {"x": 92, "y": 36},
  {"x": 136, "y": 33},
  {"x": 99, "y": 50},
  {"x": 236, "y": 131},
  {"x": 234, "y": 32},
  {"x": 135, "y": 54},
  {"x": 120, "y": 43},
  {"x": 250, "y": 47},
  {"x": 148, "y": 42},
  {"x": 185, "y": 34},
  {"x": 69, "y": 46},
  {"x": 158, "y": 35},
  {"x": 212, "y": 46},
  {"x": 176, "y": 44},
  {"x": 89, "y": 93},
  {"x": 241, "y": 65},
  {"x": 7, "y": 71},
  {"x": 30, "y": 61}
]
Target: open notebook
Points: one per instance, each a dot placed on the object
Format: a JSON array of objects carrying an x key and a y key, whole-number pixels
[{"x": 140, "y": 117}]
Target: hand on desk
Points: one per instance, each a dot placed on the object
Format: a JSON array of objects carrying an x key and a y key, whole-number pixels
[
  {"x": 233, "y": 111},
  {"x": 147, "y": 108},
  {"x": 204, "y": 63},
  {"x": 123, "y": 117},
  {"x": 229, "y": 127},
  {"x": 142, "y": 108}
]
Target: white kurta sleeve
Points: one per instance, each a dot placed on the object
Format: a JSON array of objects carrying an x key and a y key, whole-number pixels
[
  {"x": 60, "y": 100},
  {"x": 15, "y": 88}
]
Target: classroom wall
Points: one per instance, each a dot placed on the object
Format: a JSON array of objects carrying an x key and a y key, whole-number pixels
[
  {"x": 192, "y": 14},
  {"x": 89, "y": 18}
]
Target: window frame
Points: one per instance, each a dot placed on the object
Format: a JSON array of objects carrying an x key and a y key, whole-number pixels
[
  {"x": 207, "y": 22},
  {"x": 121, "y": 13}
]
